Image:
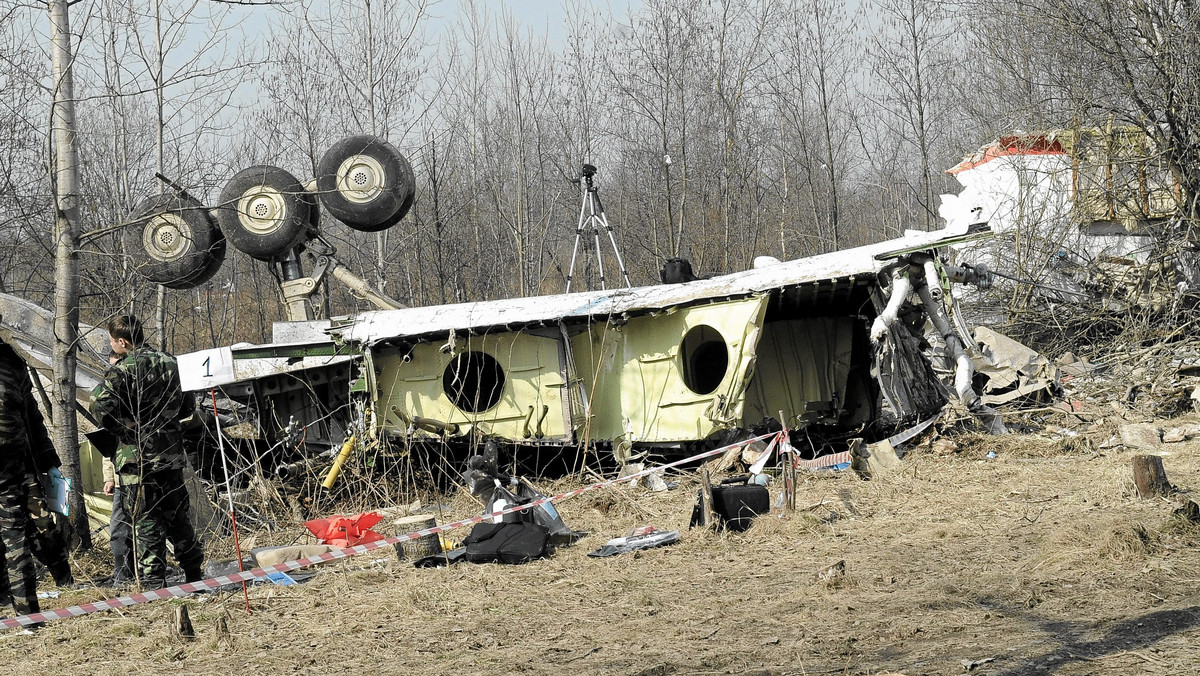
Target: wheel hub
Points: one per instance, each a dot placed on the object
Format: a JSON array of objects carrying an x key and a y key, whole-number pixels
[
  {"x": 262, "y": 209},
  {"x": 360, "y": 179},
  {"x": 167, "y": 237}
]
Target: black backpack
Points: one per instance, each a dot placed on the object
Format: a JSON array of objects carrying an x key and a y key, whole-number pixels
[{"x": 677, "y": 271}]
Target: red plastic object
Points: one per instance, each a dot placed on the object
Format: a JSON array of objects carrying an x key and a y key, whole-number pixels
[{"x": 345, "y": 531}]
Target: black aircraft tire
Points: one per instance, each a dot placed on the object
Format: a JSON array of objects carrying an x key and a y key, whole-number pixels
[
  {"x": 173, "y": 241},
  {"x": 264, "y": 212},
  {"x": 366, "y": 183},
  {"x": 215, "y": 260}
]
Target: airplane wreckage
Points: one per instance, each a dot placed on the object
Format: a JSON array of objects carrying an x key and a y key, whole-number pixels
[{"x": 854, "y": 343}]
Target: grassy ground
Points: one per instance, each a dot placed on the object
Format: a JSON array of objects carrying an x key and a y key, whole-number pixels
[{"x": 1041, "y": 560}]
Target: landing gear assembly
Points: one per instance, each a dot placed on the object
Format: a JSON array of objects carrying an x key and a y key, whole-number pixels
[{"x": 268, "y": 214}]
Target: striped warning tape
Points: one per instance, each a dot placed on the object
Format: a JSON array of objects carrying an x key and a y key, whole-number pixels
[
  {"x": 245, "y": 576},
  {"x": 823, "y": 462}
]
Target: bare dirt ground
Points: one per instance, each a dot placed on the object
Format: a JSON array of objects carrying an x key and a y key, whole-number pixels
[{"x": 1041, "y": 560}]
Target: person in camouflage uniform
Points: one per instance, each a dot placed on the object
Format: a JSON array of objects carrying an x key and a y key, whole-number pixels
[
  {"x": 120, "y": 528},
  {"x": 25, "y": 453},
  {"x": 141, "y": 403}
]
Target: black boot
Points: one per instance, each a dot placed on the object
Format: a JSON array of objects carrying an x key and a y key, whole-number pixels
[
  {"x": 62, "y": 576},
  {"x": 152, "y": 583}
]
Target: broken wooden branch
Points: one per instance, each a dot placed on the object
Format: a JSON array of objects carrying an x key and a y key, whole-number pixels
[{"x": 707, "y": 517}]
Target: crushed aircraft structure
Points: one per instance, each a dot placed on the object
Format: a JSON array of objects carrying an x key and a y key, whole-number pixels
[
  {"x": 850, "y": 344},
  {"x": 830, "y": 346},
  {"x": 1083, "y": 211}
]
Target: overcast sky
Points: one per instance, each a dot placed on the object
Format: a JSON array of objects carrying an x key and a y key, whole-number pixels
[{"x": 546, "y": 16}]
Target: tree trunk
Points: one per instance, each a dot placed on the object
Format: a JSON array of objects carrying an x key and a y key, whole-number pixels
[
  {"x": 65, "y": 177},
  {"x": 1149, "y": 476},
  {"x": 160, "y": 318}
]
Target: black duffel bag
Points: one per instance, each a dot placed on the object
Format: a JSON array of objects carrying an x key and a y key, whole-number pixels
[
  {"x": 736, "y": 506},
  {"x": 510, "y": 543}
]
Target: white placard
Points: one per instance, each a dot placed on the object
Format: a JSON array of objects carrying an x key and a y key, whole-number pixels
[
  {"x": 206, "y": 369},
  {"x": 59, "y": 493}
]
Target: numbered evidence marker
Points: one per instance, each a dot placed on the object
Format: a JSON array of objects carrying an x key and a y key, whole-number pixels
[{"x": 206, "y": 369}]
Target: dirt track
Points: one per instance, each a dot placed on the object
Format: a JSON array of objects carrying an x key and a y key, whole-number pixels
[{"x": 1041, "y": 560}]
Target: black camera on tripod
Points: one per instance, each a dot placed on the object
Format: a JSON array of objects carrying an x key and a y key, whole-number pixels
[{"x": 588, "y": 171}]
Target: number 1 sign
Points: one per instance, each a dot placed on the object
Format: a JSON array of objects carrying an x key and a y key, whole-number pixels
[{"x": 206, "y": 369}]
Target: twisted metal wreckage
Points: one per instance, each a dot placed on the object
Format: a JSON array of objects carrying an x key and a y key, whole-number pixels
[{"x": 834, "y": 346}]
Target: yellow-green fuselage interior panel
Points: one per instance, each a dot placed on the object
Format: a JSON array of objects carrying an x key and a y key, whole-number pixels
[
  {"x": 508, "y": 385},
  {"x": 674, "y": 376},
  {"x": 802, "y": 371}
]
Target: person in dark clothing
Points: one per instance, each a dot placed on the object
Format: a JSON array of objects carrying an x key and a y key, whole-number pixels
[
  {"x": 141, "y": 403},
  {"x": 26, "y": 453},
  {"x": 120, "y": 526}
]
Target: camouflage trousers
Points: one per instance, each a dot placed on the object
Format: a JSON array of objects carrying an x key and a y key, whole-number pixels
[
  {"x": 14, "y": 524},
  {"x": 158, "y": 507},
  {"x": 48, "y": 539},
  {"x": 120, "y": 539}
]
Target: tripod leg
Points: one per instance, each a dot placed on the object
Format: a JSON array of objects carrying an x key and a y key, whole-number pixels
[
  {"x": 596, "y": 234},
  {"x": 575, "y": 249},
  {"x": 613, "y": 240}
]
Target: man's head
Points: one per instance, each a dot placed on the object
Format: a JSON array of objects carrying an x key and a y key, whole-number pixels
[{"x": 124, "y": 334}]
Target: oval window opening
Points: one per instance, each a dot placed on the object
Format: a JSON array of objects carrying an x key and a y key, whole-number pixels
[
  {"x": 473, "y": 381},
  {"x": 705, "y": 359}
]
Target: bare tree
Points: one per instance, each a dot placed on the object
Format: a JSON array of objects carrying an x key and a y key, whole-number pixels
[
  {"x": 739, "y": 85},
  {"x": 1147, "y": 61},
  {"x": 910, "y": 60},
  {"x": 371, "y": 52},
  {"x": 66, "y": 265},
  {"x": 818, "y": 56},
  {"x": 26, "y": 257},
  {"x": 655, "y": 71}
]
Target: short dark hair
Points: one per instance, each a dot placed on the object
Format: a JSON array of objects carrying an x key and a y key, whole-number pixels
[{"x": 127, "y": 327}]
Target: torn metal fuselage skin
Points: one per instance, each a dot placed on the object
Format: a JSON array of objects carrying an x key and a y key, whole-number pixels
[
  {"x": 835, "y": 343},
  {"x": 830, "y": 344},
  {"x": 669, "y": 365}
]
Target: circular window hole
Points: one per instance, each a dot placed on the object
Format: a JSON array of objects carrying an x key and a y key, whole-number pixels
[
  {"x": 474, "y": 381},
  {"x": 705, "y": 359}
]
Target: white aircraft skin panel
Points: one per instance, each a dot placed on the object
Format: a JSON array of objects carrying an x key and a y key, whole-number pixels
[{"x": 380, "y": 325}]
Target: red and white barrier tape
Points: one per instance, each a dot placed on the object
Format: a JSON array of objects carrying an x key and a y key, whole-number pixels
[
  {"x": 823, "y": 462},
  {"x": 245, "y": 576}
]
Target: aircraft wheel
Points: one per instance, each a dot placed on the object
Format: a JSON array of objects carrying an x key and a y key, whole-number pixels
[
  {"x": 265, "y": 212},
  {"x": 173, "y": 241},
  {"x": 366, "y": 183}
]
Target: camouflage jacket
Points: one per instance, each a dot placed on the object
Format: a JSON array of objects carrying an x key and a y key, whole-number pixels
[
  {"x": 25, "y": 445},
  {"x": 141, "y": 402}
]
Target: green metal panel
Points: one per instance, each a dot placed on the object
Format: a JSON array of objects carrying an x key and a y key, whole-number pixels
[
  {"x": 528, "y": 405},
  {"x": 329, "y": 349},
  {"x": 802, "y": 370},
  {"x": 636, "y": 375}
]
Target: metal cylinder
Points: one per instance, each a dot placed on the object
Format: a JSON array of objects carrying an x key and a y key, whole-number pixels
[{"x": 339, "y": 462}]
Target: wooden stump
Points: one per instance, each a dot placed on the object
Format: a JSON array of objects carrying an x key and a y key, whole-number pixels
[
  {"x": 224, "y": 637},
  {"x": 875, "y": 460},
  {"x": 426, "y": 545},
  {"x": 182, "y": 626},
  {"x": 1149, "y": 476}
]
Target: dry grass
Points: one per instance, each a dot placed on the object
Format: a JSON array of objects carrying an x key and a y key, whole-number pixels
[{"x": 1041, "y": 558}]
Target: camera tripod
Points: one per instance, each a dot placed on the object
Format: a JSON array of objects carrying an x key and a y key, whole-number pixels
[{"x": 591, "y": 210}]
